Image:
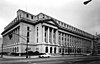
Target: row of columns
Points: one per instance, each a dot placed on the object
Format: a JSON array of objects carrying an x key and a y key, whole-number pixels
[
  {"x": 48, "y": 34},
  {"x": 48, "y": 30}
]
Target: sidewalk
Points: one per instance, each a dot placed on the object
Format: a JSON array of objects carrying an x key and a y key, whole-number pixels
[{"x": 16, "y": 57}]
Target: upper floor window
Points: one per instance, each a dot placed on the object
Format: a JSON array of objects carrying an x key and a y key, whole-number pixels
[
  {"x": 28, "y": 34},
  {"x": 31, "y": 17},
  {"x": 28, "y": 28},
  {"x": 27, "y": 15},
  {"x": 65, "y": 25},
  {"x": 62, "y": 23},
  {"x": 37, "y": 34}
]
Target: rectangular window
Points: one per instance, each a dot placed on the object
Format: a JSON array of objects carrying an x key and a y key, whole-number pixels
[
  {"x": 27, "y": 15},
  {"x": 31, "y": 17},
  {"x": 27, "y": 39},
  {"x": 59, "y": 50},
  {"x": 27, "y": 34},
  {"x": 28, "y": 28},
  {"x": 37, "y": 34},
  {"x": 45, "y": 36}
]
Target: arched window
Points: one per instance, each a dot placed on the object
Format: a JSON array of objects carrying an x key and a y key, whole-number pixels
[{"x": 46, "y": 49}]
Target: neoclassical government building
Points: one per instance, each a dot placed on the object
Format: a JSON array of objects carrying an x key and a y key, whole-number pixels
[{"x": 44, "y": 34}]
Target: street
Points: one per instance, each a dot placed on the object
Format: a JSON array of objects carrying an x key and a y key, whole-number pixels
[{"x": 53, "y": 60}]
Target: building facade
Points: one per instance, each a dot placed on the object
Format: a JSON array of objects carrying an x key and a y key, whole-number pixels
[
  {"x": 0, "y": 44},
  {"x": 97, "y": 47},
  {"x": 45, "y": 35}
]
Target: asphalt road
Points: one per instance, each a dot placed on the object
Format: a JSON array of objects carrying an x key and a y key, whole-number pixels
[{"x": 54, "y": 60}]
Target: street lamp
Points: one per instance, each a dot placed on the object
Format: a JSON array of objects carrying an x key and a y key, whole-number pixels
[{"x": 10, "y": 36}]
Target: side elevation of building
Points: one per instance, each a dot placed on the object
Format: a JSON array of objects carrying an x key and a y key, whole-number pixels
[{"x": 45, "y": 35}]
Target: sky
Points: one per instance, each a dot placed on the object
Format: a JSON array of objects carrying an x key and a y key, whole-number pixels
[{"x": 72, "y": 12}]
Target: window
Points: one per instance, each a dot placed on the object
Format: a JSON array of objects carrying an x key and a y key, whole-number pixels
[
  {"x": 27, "y": 15},
  {"x": 65, "y": 25},
  {"x": 65, "y": 40},
  {"x": 65, "y": 50},
  {"x": 31, "y": 17},
  {"x": 46, "y": 49},
  {"x": 58, "y": 22},
  {"x": 27, "y": 39},
  {"x": 37, "y": 34},
  {"x": 28, "y": 28},
  {"x": 59, "y": 50},
  {"x": 55, "y": 50},
  {"x": 17, "y": 49},
  {"x": 50, "y": 49},
  {"x": 27, "y": 34},
  {"x": 62, "y": 23}
]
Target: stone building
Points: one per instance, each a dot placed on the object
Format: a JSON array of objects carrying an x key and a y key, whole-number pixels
[
  {"x": 97, "y": 46},
  {"x": 44, "y": 34},
  {"x": 0, "y": 44}
]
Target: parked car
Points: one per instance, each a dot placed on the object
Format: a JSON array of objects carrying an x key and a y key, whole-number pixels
[
  {"x": 45, "y": 55},
  {"x": 87, "y": 54}
]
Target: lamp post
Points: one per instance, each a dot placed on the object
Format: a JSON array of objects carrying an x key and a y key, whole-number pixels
[
  {"x": 25, "y": 40},
  {"x": 27, "y": 48}
]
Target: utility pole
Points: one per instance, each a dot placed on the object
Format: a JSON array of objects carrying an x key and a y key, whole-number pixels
[
  {"x": 28, "y": 30},
  {"x": 10, "y": 36},
  {"x": 27, "y": 48}
]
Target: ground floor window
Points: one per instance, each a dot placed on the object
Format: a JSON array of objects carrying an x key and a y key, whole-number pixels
[
  {"x": 66, "y": 50},
  {"x": 59, "y": 50},
  {"x": 50, "y": 49},
  {"x": 62, "y": 50},
  {"x": 55, "y": 50},
  {"x": 69, "y": 50},
  {"x": 46, "y": 49}
]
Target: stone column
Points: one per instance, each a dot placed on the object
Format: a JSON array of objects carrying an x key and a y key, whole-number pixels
[
  {"x": 43, "y": 32},
  {"x": 52, "y": 35},
  {"x": 48, "y": 33},
  {"x": 57, "y": 36},
  {"x": 61, "y": 38},
  {"x": 92, "y": 46},
  {"x": 64, "y": 40}
]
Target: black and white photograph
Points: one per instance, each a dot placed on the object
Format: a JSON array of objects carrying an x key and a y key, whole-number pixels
[{"x": 49, "y": 31}]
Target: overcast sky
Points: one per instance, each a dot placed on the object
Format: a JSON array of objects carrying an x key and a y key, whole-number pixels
[{"x": 73, "y": 12}]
